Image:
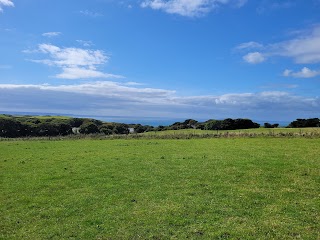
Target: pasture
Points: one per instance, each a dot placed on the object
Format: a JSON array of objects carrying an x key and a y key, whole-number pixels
[
  {"x": 218, "y": 188},
  {"x": 242, "y": 132}
]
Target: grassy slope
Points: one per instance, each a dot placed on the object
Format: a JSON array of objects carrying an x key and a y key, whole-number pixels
[
  {"x": 255, "y": 130},
  {"x": 36, "y": 117},
  {"x": 159, "y": 189}
]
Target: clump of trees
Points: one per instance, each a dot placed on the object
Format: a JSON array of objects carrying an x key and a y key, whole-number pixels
[
  {"x": 302, "y": 123},
  {"x": 269, "y": 125},
  {"x": 189, "y": 123},
  {"x": 212, "y": 124},
  {"x": 29, "y": 126},
  {"x": 11, "y": 126},
  {"x": 230, "y": 124},
  {"x": 138, "y": 128}
]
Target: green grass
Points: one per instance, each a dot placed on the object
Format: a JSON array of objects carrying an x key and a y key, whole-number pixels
[
  {"x": 35, "y": 117},
  {"x": 240, "y": 131},
  {"x": 237, "y": 188}
]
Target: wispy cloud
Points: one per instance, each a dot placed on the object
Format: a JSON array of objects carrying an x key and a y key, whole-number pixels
[
  {"x": 189, "y": 8},
  {"x": 267, "y": 5},
  {"x": 280, "y": 85},
  {"x": 90, "y": 13},
  {"x": 5, "y": 66},
  {"x": 75, "y": 63},
  {"x": 7, "y": 29},
  {"x": 303, "y": 73},
  {"x": 304, "y": 48},
  {"x": 112, "y": 98},
  {"x": 85, "y": 43},
  {"x": 249, "y": 46},
  {"x": 82, "y": 72},
  {"x": 5, "y": 3},
  {"x": 51, "y": 34}
]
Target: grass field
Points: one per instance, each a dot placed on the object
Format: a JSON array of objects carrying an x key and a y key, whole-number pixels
[
  {"x": 266, "y": 131},
  {"x": 227, "y": 188}
]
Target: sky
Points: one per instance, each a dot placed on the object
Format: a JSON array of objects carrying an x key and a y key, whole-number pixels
[{"x": 161, "y": 59}]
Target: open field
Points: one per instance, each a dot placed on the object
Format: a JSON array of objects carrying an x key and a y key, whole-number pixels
[
  {"x": 242, "y": 132},
  {"x": 226, "y": 188},
  {"x": 191, "y": 133}
]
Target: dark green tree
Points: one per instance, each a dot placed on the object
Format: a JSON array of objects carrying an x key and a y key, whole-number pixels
[
  {"x": 121, "y": 128},
  {"x": 10, "y": 128},
  {"x": 89, "y": 128}
]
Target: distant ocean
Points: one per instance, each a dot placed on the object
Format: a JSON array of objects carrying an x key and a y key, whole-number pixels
[{"x": 152, "y": 121}]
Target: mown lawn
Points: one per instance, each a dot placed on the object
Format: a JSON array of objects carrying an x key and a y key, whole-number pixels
[{"x": 241, "y": 188}]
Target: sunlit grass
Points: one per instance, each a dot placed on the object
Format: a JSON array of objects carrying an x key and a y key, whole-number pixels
[
  {"x": 240, "y": 131},
  {"x": 242, "y": 188}
]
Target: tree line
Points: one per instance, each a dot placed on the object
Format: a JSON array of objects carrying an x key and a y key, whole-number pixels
[
  {"x": 302, "y": 123},
  {"x": 212, "y": 124},
  {"x": 30, "y": 126}
]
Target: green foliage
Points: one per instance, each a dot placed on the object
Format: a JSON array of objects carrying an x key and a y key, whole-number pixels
[
  {"x": 26, "y": 126},
  {"x": 76, "y": 122},
  {"x": 47, "y": 129},
  {"x": 230, "y": 124},
  {"x": 138, "y": 128},
  {"x": 213, "y": 125},
  {"x": 23, "y": 126},
  {"x": 160, "y": 128},
  {"x": 64, "y": 129},
  {"x": 106, "y": 129},
  {"x": 269, "y": 125},
  {"x": 302, "y": 123},
  {"x": 187, "y": 124},
  {"x": 88, "y": 128},
  {"x": 10, "y": 127},
  {"x": 121, "y": 128}
]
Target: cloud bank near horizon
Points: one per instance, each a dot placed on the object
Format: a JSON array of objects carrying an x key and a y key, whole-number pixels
[{"x": 121, "y": 99}]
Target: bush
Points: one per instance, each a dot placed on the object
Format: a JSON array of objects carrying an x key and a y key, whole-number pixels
[{"x": 88, "y": 128}]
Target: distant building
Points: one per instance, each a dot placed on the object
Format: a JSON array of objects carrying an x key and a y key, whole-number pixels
[{"x": 76, "y": 130}]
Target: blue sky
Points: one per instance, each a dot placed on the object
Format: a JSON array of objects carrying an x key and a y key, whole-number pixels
[{"x": 172, "y": 59}]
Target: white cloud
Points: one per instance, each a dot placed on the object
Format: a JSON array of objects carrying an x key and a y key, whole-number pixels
[
  {"x": 189, "y": 8},
  {"x": 116, "y": 99},
  {"x": 51, "y": 34},
  {"x": 73, "y": 56},
  {"x": 133, "y": 84},
  {"x": 304, "y": 48},
  {"x": 303, "y": 73},
  {"x": 6, "y": 3},
  {"x": 75, "y": 63},
  {"x": 254, "y": 57}
]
